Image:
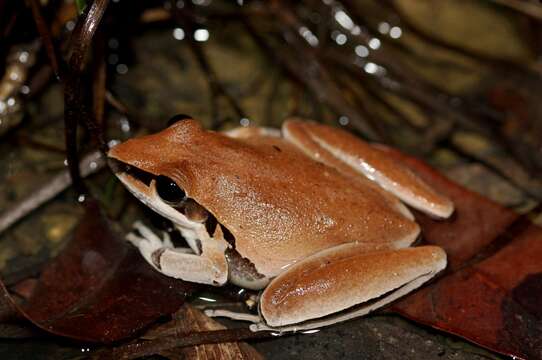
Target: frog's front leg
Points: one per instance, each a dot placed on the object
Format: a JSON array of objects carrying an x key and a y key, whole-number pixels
[
  {"x": 208, "y": 267},
  {"x": 344, "y": 282}
]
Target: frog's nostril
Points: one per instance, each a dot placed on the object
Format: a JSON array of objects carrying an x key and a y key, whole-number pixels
[
  {"x": 177, "y": 118},
  {"x": 169, "y": 191}
]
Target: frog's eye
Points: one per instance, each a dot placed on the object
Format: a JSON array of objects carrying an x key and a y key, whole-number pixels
[
  {"x": 169, "y": 191},
  {"x": 177, "y": 118}
]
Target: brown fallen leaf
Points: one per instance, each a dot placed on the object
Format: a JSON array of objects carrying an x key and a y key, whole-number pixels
[
  {"x": 188, "y": 320},
  {"x": 491, "y": 293},
  {"x": 13, "y": 324},
  {"x": 99, "y": 289}
]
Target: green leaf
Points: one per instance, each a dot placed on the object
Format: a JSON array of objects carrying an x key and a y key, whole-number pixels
[{"x": 81, "y": 5}]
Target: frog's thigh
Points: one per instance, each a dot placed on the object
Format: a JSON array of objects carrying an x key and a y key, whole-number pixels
[
  {"x": 210, "y": 267},
  {"x": 338, "y": 148},
  {"x": 344, "y": 277}
]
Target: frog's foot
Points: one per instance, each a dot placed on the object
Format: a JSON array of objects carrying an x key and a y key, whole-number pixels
[
  {"x": 232, "y": 315},
  {"x": 148, "y": 242},
  {"x": 181, "y": 263},
  {"x": 343, "y": 282}
]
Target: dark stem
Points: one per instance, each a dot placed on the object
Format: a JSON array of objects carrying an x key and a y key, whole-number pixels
[
  {"x": 76, "y": 105},
  {"x": 152, "y": 347},
  {"x": 46, "y": 37}
]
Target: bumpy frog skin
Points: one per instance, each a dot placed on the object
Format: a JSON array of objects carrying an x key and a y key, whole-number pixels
[{"x": 309, "y": 213}]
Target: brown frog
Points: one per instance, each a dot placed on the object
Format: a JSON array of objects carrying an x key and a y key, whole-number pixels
[{"x": 311, "y": 214}]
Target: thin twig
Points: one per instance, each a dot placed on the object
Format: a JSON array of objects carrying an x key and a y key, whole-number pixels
[
  {"x": 474, "y": 54},
  {"x": 90, "y": 164},
  {"x": 216, "y": 87},
  {"x": 508, "y": 168},
  {"x": 311, "y": 74},
  {"x": 21, "y": 138},
  {"x": 306, "y": 67},
  {"x": 75, "y": 105},
  {"x": 153, "y": 347},
  {"x": 99, "y": 83},
  {"x": 528, "y": 8},
  {"x": 46, "y": 37},
  {"x": 270, "y": 99}
]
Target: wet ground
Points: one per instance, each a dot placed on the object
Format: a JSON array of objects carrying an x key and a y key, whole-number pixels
[{"x": 163, "y": 79}]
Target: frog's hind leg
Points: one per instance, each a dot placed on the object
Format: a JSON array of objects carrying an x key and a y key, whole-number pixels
[
  {"x": 347, "y": 153},
  {"x": 208, "y": 267},
  {"x": 343, "y": 282}
]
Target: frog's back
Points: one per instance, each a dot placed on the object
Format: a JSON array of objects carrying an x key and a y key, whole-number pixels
[{"x": 282, "y": 206}]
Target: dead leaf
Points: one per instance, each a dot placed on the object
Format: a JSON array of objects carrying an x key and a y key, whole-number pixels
[
  {"x": 13, "y": 324},
  {"x": 491, "y": 293},
  {"x": 99, "y": 289},
  {"x": 190, "y": 320}
]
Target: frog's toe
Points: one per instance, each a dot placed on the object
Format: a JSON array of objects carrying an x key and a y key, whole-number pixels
[
  {"x": 146, "y": 248},
  {"x": 134, "y": 239},
  {"x": 166, "y": 240},
  {"x": 148, "y": 234}
]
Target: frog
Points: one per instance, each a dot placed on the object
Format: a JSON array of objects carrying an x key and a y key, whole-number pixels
[{"x": 311, "y": 216}]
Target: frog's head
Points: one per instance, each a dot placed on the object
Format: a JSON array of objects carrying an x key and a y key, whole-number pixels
[
  {"x": 154, "y": 169},
  {"x": 181, "y": 174}
]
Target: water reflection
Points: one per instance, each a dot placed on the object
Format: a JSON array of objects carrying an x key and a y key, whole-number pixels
[
  {"x": 70, "y": 25},
  {"x": 339, "y": 37},
  {"x": 374, "y": 43},
  {"x": 308, "y": 36},
  {"x": 121, "y": 69},
  {"x": 178, "y": 33},
  {"x": 206, "y": 299},
  {"x": 361, "y": 51},
  {"x": 344, "y": 20},
  {"x": 202, "y": 2},
  {"x": 201, "y": 35},
  {"x": 383, "y": 28},
  {"x": 124, "y": 124},
  {"x": 344, "y": 120},
  {"x": 396, "y": 32},
  {"x": 374, "y": 69}
]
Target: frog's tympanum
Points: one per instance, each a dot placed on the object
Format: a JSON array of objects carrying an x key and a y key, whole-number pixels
[{"x": 311, "y": 214}]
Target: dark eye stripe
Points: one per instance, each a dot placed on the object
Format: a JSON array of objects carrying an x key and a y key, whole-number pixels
[{"x": 169, "y": 191}]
